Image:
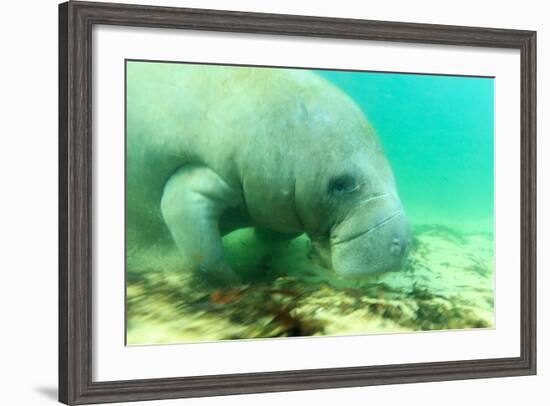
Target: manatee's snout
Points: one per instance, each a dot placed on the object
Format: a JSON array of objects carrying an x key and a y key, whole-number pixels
[{"x": 372, "y": 240}]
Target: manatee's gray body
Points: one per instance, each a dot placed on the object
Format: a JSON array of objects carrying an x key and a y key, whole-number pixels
[{"x": 211, "y": 149}]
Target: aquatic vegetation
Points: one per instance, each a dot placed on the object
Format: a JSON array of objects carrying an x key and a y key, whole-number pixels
[{"x": 447, "y": 283}]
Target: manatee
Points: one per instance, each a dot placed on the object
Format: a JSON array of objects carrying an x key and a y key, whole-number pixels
[{"x": 211, "y": 149}]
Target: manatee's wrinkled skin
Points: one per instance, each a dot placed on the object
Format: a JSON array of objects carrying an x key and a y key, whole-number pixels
[{"x": 211, "y": 149}]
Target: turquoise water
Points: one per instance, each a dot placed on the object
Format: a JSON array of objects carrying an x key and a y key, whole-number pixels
[{"x": 437, "y": 132}]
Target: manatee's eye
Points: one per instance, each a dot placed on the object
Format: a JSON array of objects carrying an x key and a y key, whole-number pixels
[{"x": 342, "y": 184}]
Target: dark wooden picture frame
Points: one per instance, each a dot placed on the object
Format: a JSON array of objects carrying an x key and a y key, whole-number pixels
[{"x": 76, "y": 20}]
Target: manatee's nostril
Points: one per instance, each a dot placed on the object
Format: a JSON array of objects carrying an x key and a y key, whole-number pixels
[{"x": 395, "y": 248}]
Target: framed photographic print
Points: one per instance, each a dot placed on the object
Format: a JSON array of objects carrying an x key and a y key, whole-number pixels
[{"x": 257, "y": 202}]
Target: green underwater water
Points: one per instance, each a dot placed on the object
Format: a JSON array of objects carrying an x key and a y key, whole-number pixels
[{"x": 437, "y": 132}]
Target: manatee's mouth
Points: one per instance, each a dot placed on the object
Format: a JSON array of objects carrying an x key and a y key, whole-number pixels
[{"x": 385, "y": 220}]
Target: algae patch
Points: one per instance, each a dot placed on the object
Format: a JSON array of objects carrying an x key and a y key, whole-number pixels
[{"x": 447, "y": 283}]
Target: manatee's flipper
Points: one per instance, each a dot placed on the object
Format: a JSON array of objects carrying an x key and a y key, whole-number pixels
[{"x": 193, "y": 199}]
